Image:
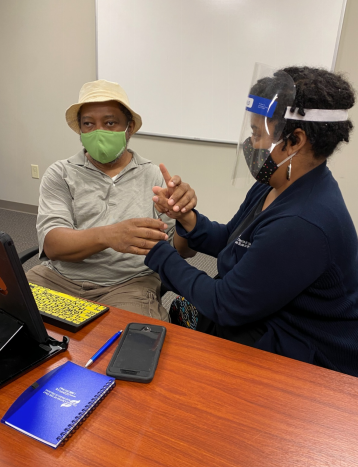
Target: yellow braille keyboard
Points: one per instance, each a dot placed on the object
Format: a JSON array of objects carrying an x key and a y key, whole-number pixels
[{"x": 63, "y": 310}]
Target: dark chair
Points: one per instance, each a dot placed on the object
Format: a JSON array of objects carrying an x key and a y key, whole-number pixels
[{"x": 27, "y": 254}]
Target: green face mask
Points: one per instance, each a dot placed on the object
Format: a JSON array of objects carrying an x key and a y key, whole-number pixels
[{"x": 104, "y": 146}]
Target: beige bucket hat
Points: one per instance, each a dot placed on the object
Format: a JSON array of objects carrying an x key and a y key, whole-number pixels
[{"x": 100, "y": 91}]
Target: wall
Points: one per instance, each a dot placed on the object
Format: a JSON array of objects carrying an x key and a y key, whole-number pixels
[
  {"x": 344, "y": 164},
  {"x": 47, "y": 52},
  {"x": 50, "y": 53}
]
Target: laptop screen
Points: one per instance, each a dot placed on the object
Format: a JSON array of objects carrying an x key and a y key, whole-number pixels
[{"x": 16, "y": 298}]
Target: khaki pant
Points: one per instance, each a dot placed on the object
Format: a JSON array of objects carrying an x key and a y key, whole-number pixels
[{"x": 140, "y": 295}]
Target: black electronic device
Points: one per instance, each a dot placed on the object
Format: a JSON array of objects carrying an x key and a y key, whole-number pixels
[
  {"x": 24, "y": 342},
  {"x": 137, "y": 354}
]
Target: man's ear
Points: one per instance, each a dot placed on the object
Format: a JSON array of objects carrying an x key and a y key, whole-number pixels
[{"x": 131, "y": 128}]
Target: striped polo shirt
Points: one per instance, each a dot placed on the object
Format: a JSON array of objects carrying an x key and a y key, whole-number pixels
[{"x": 76, "y": 195}]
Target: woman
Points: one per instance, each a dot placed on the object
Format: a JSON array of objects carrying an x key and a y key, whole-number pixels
[{"x": 287, "y": 261}]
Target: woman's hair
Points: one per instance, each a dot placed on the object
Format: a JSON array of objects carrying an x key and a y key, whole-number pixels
[{"x": 315, "y": 89}]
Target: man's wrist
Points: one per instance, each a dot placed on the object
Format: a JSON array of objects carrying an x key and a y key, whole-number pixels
[{"x": 104, "y": 234}]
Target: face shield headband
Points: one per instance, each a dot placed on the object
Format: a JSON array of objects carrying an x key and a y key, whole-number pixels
[{"x": 317, "y": 115}]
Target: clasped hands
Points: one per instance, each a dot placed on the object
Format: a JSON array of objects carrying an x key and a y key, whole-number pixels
[
  {"x": 138, "y": 236},
  {"x": 177, "y": 199}
]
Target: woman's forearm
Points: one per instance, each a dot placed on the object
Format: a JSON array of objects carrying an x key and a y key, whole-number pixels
[
  {"x": 188, "y": 221},
  {"x": 182, "y": 247},
  {"x": 181, "y": 244}
]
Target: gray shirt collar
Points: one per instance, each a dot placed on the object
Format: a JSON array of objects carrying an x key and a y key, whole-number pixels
[{"x": 81, "y": 160}]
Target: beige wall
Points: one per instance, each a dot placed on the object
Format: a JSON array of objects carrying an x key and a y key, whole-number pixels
[
  {"x": 47, "y": 52},
  {"x": 50, "y": 53},
  {"x": 344, "y": 164}
]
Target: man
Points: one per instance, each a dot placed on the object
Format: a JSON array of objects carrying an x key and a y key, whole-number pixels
[{"x": 96, "y": 210}]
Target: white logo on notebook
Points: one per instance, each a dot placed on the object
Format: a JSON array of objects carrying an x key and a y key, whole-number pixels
[
  {"x": 65, "y": 401},
  {"x": 70, "y": 403}
]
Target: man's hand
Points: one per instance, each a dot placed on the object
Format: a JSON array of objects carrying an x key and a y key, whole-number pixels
[
  {"x": 136, "y": 236},
  {"x": 177, "y": 199}
]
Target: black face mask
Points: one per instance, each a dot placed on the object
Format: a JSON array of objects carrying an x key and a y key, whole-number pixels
[{"x": 259, "y": 161}]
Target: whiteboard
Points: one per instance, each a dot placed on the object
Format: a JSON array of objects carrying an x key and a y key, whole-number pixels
[{"x": 186, "y": 65}]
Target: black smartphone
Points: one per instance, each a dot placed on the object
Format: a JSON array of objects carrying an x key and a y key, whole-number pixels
[{"x": 137, "y": 354}]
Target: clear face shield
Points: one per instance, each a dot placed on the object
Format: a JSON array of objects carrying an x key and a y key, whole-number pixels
[{"x": 271, "y": 92}]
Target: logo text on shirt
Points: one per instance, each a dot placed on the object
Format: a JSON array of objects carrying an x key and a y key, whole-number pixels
[{"x": 243, "y": 243}]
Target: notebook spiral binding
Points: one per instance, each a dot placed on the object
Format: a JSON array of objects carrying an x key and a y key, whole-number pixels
[{"x": 85, "y": 412}]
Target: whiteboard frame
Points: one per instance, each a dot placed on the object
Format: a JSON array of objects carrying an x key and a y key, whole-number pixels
[
  {"x": 339, "y": 33},
  {"x": 233, "y": 143}
]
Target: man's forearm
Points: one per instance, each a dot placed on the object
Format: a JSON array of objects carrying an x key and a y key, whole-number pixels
[
  {"x": 135, "y": 236},
  {"x": 74, "y": 245}
]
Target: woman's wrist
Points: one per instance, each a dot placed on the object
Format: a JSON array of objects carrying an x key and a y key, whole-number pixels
[{"x": 188, "y": 221}]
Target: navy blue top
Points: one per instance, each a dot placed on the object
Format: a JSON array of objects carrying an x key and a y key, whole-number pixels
[{"x": 295, "y": 268}]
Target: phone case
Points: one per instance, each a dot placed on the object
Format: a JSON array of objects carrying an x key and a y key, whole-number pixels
[{"x": 129, "y": 374}]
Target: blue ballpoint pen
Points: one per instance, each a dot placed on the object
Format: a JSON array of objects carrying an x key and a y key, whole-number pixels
[{"x": 103, "y": 348}]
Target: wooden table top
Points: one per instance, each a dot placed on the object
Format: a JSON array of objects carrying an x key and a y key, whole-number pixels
[{"x": 211, "y": 403}]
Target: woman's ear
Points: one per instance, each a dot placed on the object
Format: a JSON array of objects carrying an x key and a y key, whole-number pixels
[{"x": 301, "y": 140}]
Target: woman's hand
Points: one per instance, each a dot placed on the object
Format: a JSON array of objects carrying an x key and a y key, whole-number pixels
[{"x": 177, "y": 200}]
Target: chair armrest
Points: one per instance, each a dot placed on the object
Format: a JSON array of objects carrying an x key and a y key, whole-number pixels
[{"x": 27, "y": 254}]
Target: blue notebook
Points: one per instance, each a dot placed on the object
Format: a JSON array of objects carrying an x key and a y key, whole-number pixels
[{"x": 53, "y": 407}]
